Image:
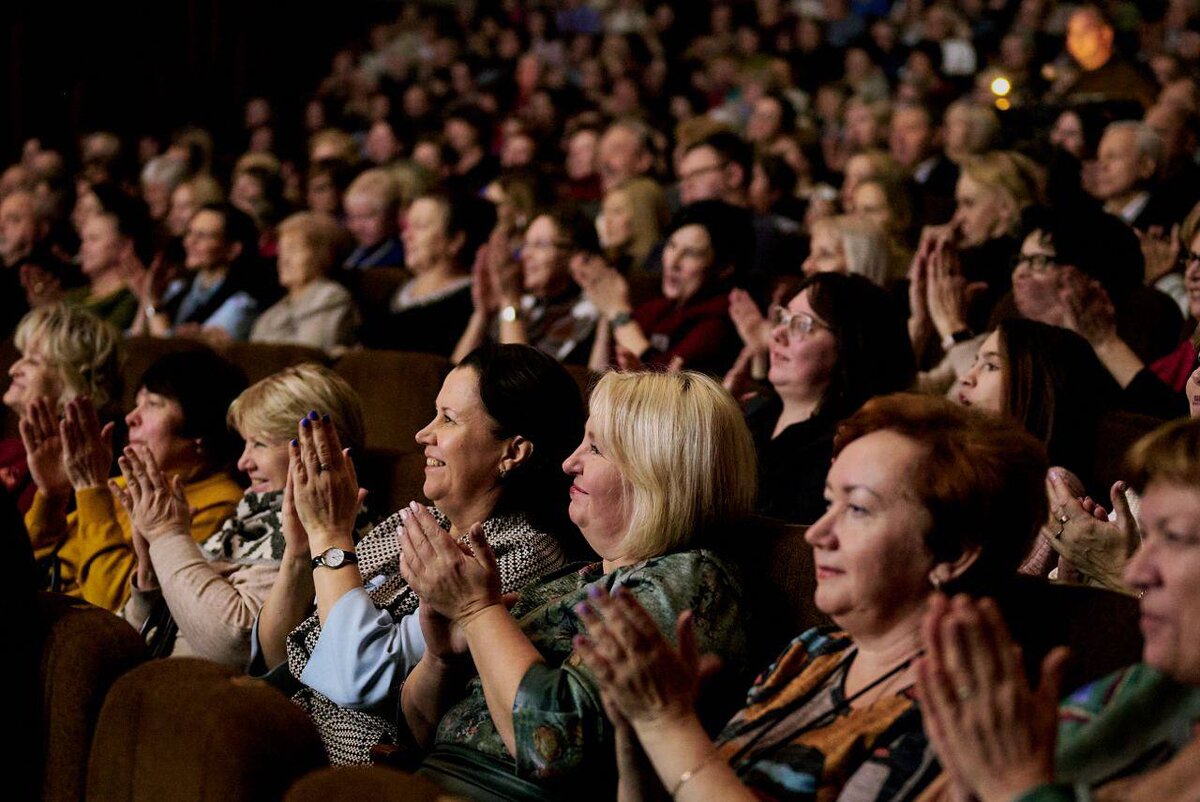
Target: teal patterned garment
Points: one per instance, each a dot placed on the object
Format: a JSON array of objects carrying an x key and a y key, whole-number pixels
[
  {"x": 563, "y": 738},
  {"x": 1124, "y": 724}
]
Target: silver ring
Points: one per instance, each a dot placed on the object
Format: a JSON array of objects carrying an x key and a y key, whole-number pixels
[
  {"x": 964, "y": 692},
  {"x": 322, "y": 467},
  {"x": 1062, "y": 519}
]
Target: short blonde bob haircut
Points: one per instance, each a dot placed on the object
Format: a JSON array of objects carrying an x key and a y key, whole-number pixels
[
  {"x": 320, "y": 233},
  {"x": 685, "y": 453},
  {"x": 272, "y": 408},
  {"x": 85, "y": 349},
  {"x": 378, "y": 185}
]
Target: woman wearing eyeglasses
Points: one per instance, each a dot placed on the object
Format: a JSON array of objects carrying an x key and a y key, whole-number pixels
[
  {"x": 837, "y": 342},
  {"x": 532, "y": 299}
]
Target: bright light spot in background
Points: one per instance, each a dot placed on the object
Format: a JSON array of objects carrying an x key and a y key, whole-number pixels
[
  {"x": 1001, "y": 86},
  {"x": 1003, "y": 104}
]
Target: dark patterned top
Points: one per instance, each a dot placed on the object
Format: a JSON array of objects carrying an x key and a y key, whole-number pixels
[
  {"x": 798, "y": 739},
  {"x": 564, "y": 741},
  {"x": 523, "y": 554}
]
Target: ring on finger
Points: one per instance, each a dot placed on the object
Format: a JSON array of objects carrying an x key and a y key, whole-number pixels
[
  {"x": 322, "y": 467},
  {"x": 964, "y": 692}
]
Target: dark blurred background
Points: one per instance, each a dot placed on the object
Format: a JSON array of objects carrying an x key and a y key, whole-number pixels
[{"x": 149, "y": 66}]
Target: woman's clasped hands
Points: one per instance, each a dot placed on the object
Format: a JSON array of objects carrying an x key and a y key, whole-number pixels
[
  {"x": 994, "y": 734},
  {"x": 458, "y": 581}
]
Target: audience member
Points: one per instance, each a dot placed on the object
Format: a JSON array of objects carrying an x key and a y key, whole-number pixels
[{"x": 179, "y": 418}]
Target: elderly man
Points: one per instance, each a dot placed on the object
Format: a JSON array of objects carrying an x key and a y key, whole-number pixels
[
  {"x": 1127, "y": 165},
  {"x": 625, "y": 152},
  {"x": 915, "y": 141}
]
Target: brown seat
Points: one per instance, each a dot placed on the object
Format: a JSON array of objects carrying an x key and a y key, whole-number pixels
[
  {"x": 193, "y": 731},
  {"x": 84, "y": 650},
  {"x": 363, "y": 782},
  {"x": 373, "y": 288},
  {"x": 1100, "y": 626},
  {"x": 260, "y": 360},
  {"x": 1118, "y": 432},
  {"x": 780, "y": 583},
  {"x": 398, "y": 390}
]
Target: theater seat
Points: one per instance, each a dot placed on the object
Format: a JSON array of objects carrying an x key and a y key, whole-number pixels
[
  {"x": 780, "y": 583},
  {"x": 84, "y": 650},
  {"x": 1118, "y": 432},
  {"x": 260, "y": 360},
  {"x": 1100, "y": 626},
  {"x": 363, "y": 783},
  {"x": 190, "y": 730},
  {"x": 398, "y": 391},
  {"x": 373, "y": 289}
]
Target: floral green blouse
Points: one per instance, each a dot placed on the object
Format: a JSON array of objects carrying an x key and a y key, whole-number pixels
[{"x": 563, "y": 737}]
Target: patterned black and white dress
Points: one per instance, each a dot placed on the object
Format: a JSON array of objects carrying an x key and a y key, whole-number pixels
[{"x": 523, "y": 553}]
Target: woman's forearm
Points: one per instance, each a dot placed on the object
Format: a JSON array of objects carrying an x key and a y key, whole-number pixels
[
  {"x": 503, "y": 656},
  {"x": 1116, "y": 355},
  {"x": 631, "y": 337},
  {"x": 289, "y": 603},
  {"x": 601, "y": 357},
  {"x": 676, "y": 748},
  {"x": 431, "y": 687}
]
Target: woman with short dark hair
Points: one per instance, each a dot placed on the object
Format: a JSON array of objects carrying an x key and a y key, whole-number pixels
[{"x": 179, "y": 418}]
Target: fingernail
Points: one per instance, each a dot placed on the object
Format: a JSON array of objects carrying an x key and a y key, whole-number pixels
[
  {"x": 414, "y": 506},
  {"x": 325, "y": 418},
  {"x": 594, "y": 592},
  {"x": 404, "y": 513},
  {"x": 305, "y": 422},
  {"x": 295, "y": 442},
  {"x": 312, "y": 414},
  {"x": 582, "y": 609}
]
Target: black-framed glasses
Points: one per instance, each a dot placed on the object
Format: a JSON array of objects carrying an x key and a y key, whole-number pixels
[
  {"x": 798, "y": 324},
  {"x": 1036, "y": 262},
  {"x": 702, "y": 171},
  {"x": 1188, "y": 258}
]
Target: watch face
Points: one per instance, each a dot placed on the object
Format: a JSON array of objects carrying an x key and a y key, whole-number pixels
[{"x": 334, "y": 557}]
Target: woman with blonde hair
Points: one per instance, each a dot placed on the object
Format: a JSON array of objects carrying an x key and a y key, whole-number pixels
[
  {"x": 663, "y": 475},
  {"x": 202, "y": 598},
  {"x": 632, "y": 219},
  {"x": 848, "y": 244},
  {"x": 64, "y": 352},
  {"x": 316, "y": 311}
]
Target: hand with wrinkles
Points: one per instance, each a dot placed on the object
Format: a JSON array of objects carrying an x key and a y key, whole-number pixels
[{"x": 324, "y": 484}]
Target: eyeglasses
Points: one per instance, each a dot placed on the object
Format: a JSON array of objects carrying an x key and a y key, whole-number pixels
[
  {"x": 685, "y": 177},
  {"x": 798, "y": 324},
  {"x": 1188, "y": 258},
  {"x": 1036, "y": 262}
]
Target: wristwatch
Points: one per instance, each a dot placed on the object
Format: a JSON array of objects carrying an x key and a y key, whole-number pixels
[
  {"x": 509, "y": 314},
  {"x": 620, "y": 319},
  {"x": 334, "y": 557}
]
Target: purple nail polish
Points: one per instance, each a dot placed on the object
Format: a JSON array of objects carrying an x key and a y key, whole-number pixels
[
  {"x": 295, "y": 442},
  {"x": 325, "y": 418},
  {"x": 312, "y": 414},
  {"x": 582, "y": 609},
  {"x": 594, "y": 592}
]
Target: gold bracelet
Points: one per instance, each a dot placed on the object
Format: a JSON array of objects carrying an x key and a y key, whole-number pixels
[{"x": 690, "y": 773}]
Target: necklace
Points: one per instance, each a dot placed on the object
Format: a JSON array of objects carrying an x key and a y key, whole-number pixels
[{"x": 777, "y": 717}]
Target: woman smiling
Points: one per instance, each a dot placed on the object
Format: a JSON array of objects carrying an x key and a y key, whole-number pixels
[
  {"x": 664, "y": 473},
  {"x": 213, "y": 590},
  {"x": 505, "y": 418}
]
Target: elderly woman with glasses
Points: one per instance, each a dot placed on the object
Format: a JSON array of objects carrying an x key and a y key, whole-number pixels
[{"x": 837, "y": 342}]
